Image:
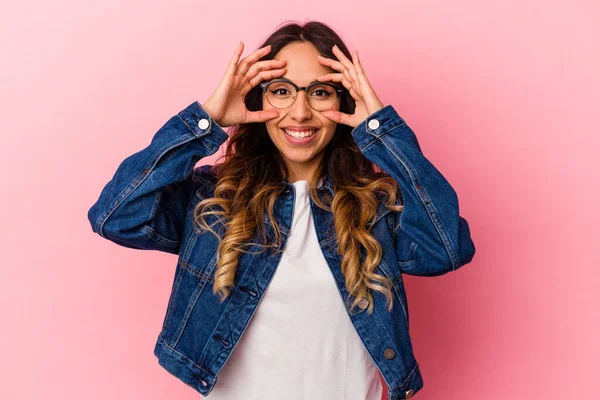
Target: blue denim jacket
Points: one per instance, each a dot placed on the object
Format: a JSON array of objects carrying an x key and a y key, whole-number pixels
[{"x": 148, "y": 204}]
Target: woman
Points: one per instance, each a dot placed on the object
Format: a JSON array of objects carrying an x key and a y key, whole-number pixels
[{"x": 323, "y": 197}]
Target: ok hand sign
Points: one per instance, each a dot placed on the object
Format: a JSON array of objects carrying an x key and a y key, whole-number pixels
[
  {"x": 226, "y": 105},
  {"x": 353, "y": 77}
]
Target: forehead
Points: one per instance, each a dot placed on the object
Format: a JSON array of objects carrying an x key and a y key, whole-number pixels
[{"x": 302, "y": 65}]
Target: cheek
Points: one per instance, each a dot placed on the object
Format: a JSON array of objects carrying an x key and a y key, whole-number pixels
[
  {"x": 272, "y": 130},
  {"x": 330, "y": 126}
]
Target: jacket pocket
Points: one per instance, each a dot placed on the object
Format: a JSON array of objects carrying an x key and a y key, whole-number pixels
[{"x": 189, "y": 284}]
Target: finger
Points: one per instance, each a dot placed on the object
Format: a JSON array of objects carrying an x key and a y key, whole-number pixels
[
  {"x": 364, "y": 84},
  {"x": 345, "y": 62},
  {"x": 250, "y": 59},
  {"x": 355, "y": 94},
  {"x": 330, "y": 63},
  {"x": 263, "y": 76},
  {"x": 335, "y": 65},
  {"x": 338, "y": 77},
  {"x": 263, "y": 66},
  {"x": 261, "y": 115},
  {"x": 353, "y": 83},
  {"x": 362, "y": 76},
  {"x": 234, "y": 60},
  {"x": 335, "y": 77},
  {"x": 337, "y": 116}
]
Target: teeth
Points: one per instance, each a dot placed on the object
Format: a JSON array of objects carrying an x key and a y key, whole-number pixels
[{"x": 299, "y": 134}]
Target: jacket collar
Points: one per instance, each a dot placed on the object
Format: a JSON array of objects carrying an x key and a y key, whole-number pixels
[{"x": 325, "y": 183}]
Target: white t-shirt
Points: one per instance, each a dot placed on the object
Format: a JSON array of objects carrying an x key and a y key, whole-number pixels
[{"x": 300, "y": 343}]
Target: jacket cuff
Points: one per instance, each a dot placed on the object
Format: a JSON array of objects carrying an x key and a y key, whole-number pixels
[
  {"x": 375, "y": 125},
  {"x": 201, "y": 124}
]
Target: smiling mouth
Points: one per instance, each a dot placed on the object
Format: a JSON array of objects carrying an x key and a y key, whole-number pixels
[{"x": 299, "y": 134}]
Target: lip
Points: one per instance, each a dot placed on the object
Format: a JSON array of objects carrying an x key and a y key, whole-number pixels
[{"x": 295, "y": 141}]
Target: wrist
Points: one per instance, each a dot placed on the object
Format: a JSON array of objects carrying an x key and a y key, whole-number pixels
[{"x": 208, "y": 108}]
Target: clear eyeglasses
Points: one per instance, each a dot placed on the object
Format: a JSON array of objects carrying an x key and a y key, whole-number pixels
[{"x": 321, "y": 96}]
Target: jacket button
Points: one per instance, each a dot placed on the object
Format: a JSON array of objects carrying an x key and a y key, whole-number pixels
[
  {"x": 409, "y": 393},
  {"x": 363, "y": 303},
  {"x": 203, "y": 123},
  {"x": 327, "y": 198},
  {"x": 389, "y": 353},
  {"x": 373, "y": 124},
  {"x": 203, "y": 382}
]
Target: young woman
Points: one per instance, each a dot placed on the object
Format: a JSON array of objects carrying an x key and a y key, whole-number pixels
[{"x": 322, "y": 201}]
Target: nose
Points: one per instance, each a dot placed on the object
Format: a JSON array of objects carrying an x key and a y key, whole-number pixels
[{"x": 300, "y": 110}]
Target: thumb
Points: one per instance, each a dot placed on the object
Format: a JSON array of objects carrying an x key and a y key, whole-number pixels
[{"x": 262, "y": 115}]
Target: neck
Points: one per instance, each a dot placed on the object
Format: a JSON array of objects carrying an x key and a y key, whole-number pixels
[{"x": 302, "y": 171}]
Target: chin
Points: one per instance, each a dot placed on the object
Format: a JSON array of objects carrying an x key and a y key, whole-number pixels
[{"x": 294, "y": 157}]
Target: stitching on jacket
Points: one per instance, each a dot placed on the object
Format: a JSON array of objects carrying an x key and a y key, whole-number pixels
[
  {"x": 388, "y": 274},
  {"x": 204, "y": 183},
  {"x": 192, "y": 270},
  {"x": 433, "y": 214},
  {"x": 193, "y": 299},
  {"x": 409, "y": 375},
  {"x": 152, "y": 234},
  {"x": 166, "y": 344},
  {"x": 137, "y": 181},
  {"x": 185, "y": 123}
]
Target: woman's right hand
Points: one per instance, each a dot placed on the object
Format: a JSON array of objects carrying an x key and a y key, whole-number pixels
[{"x": 226, "y": 105}]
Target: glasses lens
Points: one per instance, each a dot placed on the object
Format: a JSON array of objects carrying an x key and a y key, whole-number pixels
[
  {"x": 281, "y": 94},
  {"x": 321, "y": 97}
]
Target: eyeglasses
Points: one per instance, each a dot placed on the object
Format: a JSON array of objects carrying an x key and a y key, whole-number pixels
[{"x": 282, "y": 93}]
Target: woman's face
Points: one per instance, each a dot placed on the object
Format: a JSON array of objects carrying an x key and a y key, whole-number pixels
[{"x": 302, "y": 156}]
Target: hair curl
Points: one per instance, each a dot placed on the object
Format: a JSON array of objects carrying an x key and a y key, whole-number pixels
[{"x": 251, "y": 178}]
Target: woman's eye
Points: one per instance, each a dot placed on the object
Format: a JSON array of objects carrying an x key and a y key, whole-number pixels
[
  {"x": 324, "y": 92},
  {"x": 280, "y": 91}
]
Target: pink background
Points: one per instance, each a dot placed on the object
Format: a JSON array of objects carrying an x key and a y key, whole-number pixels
[{"x": 503, "y": 97}]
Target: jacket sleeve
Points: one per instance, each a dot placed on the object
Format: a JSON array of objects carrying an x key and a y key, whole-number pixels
[
  {"x": 432, "y": 238},
  {"x": 144, "y": 205}
]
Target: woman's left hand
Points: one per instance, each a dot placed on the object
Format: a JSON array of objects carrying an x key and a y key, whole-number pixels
[{"x": 353, "y": 77}]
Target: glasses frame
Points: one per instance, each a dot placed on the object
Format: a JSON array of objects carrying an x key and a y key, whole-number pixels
[{"x": 265, "y": 85}]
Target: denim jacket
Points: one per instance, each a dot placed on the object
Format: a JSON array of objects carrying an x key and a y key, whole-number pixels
[{"x": 148, "y": 204}]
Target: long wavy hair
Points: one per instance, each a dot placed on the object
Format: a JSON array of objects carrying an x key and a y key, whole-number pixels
[{"x": 252, "y": 176}]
